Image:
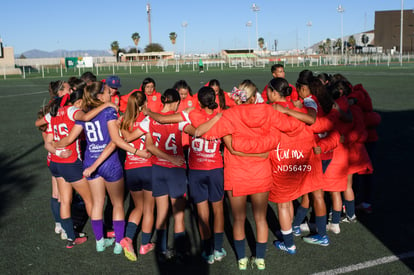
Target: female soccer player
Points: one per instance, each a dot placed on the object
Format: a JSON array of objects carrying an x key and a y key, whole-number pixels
[
  {"x": 103, "y": 173},
  {"x": 222, "y": 98},
  {"x": 138, "y": 177}
]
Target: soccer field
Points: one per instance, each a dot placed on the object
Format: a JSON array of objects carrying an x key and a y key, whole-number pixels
[{"x": 379, "y": 243}]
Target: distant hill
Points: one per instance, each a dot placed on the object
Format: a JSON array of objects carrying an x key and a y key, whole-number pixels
[{"x": 63, "y": 53}]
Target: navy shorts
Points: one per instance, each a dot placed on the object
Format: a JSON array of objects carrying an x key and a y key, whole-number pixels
[
  {"x": 71, "y": 172},
  {"x": 139, "y": 178},
  {"x": 168, "y": 181},
  {"x": 206, "y": 185},
  {"x": 110, "y": 171}
]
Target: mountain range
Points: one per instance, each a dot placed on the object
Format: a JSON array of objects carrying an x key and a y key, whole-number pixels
[{"x": 63, "y": 53}]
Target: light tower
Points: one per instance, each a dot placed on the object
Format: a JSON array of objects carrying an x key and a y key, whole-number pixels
[
  {"x": 248, "y": 25},
  {"x": 184, "y": 25},
  {"x": 309, "y": 25},
  {"x": 341, "y": 10},
  {"x": 256, "y": 9},
  {"x": 149, "y": 22}
]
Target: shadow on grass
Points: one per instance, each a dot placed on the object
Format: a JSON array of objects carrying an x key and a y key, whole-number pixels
[
  {"x": 14, "y": 184},
  {"x": 393, "y": 185}
]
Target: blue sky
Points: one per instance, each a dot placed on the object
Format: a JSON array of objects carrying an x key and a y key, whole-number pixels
[{"x": 212, "y": 25}]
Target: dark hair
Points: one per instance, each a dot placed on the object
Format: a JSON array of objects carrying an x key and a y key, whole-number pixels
[
  {"x": 319, "y": 90},
  {"x": 275, "y": 66},
  {"x": 88, "y": 77},
  {"x": 207, "y": 98},
  {"x": 76, "y": 84},
  {"x": 55, "y": 87},
  {"x": 90, "y": 95},
  {"x": 222, "y": 99},
  {"x": 134, "y": 106},
  {"x": 325, "y": 78},
  {"x": 304, "y": 79},
  {"x": 338, "y": 88},
  {"x": 76, "y": 95},
  {"x": 182, "y": 84},
  {"x": 170, "y": 96},
  {"x": 281, "y": 86},
  {"x": 147, "y": 81}
]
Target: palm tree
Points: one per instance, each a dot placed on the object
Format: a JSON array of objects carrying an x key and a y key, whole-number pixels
[
  {"x": 364, "y": 39},
  {"x": 115, "y": 47},
  {"x": 338, "y": 44},
  {"x": 154, "y": 47},
  {"x": 261, "y": 42},
  {"x": 352, "y": 43},
  {"x": 135, "y": 37},
  {"x": 328, "y": 44},
  {"x": 173, "y": 37}
]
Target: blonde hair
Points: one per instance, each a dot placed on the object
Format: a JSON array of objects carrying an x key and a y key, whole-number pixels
[
  {"x": 134, "y": 106},
  {"x": 249, "y": 88}
]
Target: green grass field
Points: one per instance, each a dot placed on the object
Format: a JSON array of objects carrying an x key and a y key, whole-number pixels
[{"x": 28, "y": 244}]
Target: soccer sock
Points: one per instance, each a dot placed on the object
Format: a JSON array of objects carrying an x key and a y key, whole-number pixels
[
  {"x": 300, "y": 215},
  {"x": 67, "y": 224},
  {"x": 260, "y": 250},
  {"x": 321, "y": 224},
  {"x": 179, "y": 241},
  {"x": 161, "y": 240},
  {"x": 130, "y": 230},
  {"x": 119, "y": 227},
  {"x": 207, "y": 247},
  {"x": 336, "y": 216},
  {"x": 97, "y": 227},
  {"x": 218, "y": 241},
  {"x": 350, "y": 208},
  {"x": 239, "y": 247},
  {"x": 145, "y": 238},
  {"x": 288, "y": 237},
  {"x": 55, "y": 206}
]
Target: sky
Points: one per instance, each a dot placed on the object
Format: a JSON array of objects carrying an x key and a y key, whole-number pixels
[{"x": 212, "y": 25}]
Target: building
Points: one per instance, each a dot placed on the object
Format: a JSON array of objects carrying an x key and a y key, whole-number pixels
[{"x": 387, "y": 30}]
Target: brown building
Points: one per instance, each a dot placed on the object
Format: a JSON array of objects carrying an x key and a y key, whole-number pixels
[{"x": 387, "y": 30}]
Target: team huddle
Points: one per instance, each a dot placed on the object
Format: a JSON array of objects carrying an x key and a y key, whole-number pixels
[{"x": 299, "y": 147}]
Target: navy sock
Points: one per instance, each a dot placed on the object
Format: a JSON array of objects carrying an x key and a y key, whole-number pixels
[
  {"x": 55, "y": 206},
  {"x": 218, "y": 241},
  {"x": 321, "y": 224},
  {"x": 239, "y": 246},
  {"x": 67, "y": 225},
  {"x": 161, "y": 240},
  {"x": 207, "y": 247},
  {"x": 301, "y": 213},
  {"x": 350, "y": 208},
  {"x": 336, "y": 216},
  {"x": 260, "y": 250},
  {"x": 131, "y": 230},
  {"x": 179, "y": 241},
  {"x": 145, "y": 238},
  {"x": 288, "y": 238}
]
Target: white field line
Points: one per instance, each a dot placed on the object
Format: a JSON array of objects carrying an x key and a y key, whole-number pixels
[
  {"x": 36, "y": 93},
  {"x": 367, "y": 264}
]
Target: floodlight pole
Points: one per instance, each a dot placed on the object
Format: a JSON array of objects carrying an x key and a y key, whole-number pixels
[
  {"x": 256, "y": 9},
  {"x": 401, "y": 31},
  {"x": 248, "y": 25},
  {"x": 149, "y": 22},
  {"x": 309, "y": 25},
  {"x": 341, "y": 10},
  {"x": 184, "y": 25}
]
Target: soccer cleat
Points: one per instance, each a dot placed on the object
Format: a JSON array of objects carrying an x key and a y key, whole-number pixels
[
  {"x": 348, "y": 219},
  {"x": 118, "y": 248},
  {"x": 333, "y": 227},
  {"x": 129, "y": 253},
  {"x": 80, "y": 234},
  {"x": 77, "y": 241},
  {"x": 317, "y": 239},
  {"x": 145, "y": 248},
  {"x": 281, "y": 246},
  {"x": 243, "y": 263},
  {"x": 259, "y": 263},
  {"x": 110, "y": 234},
  {"x": 63, "y": 235},
  {"x": 58, "y": 228},
  {"x": 304, "y": 227},
  {"x": 103, "y": 243},
  {"x": 219, "y": 255},
  {"x": 208, "y": 258},
  {"x": 296, "y": 230}
]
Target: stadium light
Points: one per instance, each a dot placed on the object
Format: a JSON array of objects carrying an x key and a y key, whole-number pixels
[
  {"x": 309, "y": 25},
  {"x": 341, "y": 10},
  {"x": 184, "y": 25},
  {"x": 248, "y": 25},
  {"x": 256, "y": 9}
]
